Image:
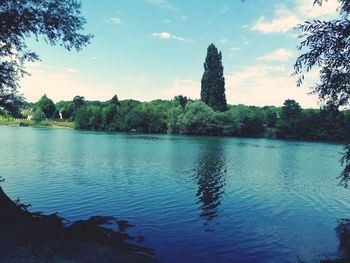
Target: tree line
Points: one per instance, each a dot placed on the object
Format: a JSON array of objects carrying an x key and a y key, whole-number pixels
[
  {"x": 194, "y": 117},
  {"x": 211, "y": 115}
]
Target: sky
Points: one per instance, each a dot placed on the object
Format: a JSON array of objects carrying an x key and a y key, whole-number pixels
[{"x": 155, "y": 49}]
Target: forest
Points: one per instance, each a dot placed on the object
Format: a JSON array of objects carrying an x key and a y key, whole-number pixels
[{"x": 185, "y": 116}]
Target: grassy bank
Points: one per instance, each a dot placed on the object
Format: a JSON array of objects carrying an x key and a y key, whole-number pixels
[{"x": 43, "y": 124}]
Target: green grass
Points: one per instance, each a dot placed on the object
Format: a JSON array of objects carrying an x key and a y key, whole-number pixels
[{"x": 43, "y": 124}]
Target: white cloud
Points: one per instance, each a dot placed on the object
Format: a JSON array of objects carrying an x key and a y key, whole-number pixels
[
  {"x": 71, "y": 70},
  {"x": 280, "y": 54},
  {"x": 284, "y": 21},
  {"x": 114, "y": 20},
  {"x": 307, "y": 9},
  {"x": 162, "y": 4},
  {"x": 254, "y": 85},
  {"x": 163, "y": 35},
  {"x": 233, "y": 51},
  {"x": 133, "y": 78},
  {"x": 94, "y": 58},
  {"x": 245, "y": 41},
  {"x": 186, "y": 87},
  {"x": 224, "y": 9},
  {"x": 166, "y": 35},
  {"x": 58, "y": 85},
  {"x": 267, "y": 85},
  {"x": 183, "y": 17},
  {"x": 223, "y": 41}
]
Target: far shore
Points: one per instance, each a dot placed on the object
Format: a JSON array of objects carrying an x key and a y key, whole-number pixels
[
  {"x": 58, "y": 124},
  {"x": 65, "y": 124}
]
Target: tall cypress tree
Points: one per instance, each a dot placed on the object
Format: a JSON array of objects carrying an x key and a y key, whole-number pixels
[{"x": 213, "y": 81}]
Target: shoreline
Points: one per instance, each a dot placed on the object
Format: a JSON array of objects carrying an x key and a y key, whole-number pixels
[
  {"x": 69, "y": 125},
  {"x": 44, "y": 124},
  {"x": 36, "y": 237}
]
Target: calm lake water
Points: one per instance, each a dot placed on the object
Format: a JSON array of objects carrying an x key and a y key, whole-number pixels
[{"x": 195, "y": 199}]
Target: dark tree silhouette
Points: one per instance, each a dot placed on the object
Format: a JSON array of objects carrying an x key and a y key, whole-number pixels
[
  {"x": 213, "y": 81},
  {"x": 78, "y": 102},
  {"x": 345, "y": 175},
  {"x": 115, "y": 100},
  {"x": 328, "y": 44},
  {"x": 58, "y": 22},
  {"x": 182, "y": 100},
  {"x": 47, "y": 106}
]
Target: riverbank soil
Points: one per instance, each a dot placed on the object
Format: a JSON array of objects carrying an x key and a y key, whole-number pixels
[{"x": 32, "y": 237}]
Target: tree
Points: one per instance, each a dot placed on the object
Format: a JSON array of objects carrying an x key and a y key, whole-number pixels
[
  {"x": 146, "y": 118},
  {"x": 291, "y": 110},
  {"x": 82, "y": 118},
  {"x": 253, "y": 123},
  {"x": 213, "y": 81},
  {"x": 173, "y": 119},
  {"x": 66, "y": 108},
  {"x": 197, "y": 119},
  {"x": 288, "y": 123},
  {"x": 328, "y": 44},
  {"x": 115, "y": 100},
  {"x": 39, "y": 115},
  {"x": 58, "y": 22},
  {"x": 78, "y": 102},
  {"x": 182, "y": 100},
  {"x": 47, "y": 106},
  {"x": 95, "y": 121},
  {"x": 271, "y": 117},
  {"x": 109, "y": 114}
]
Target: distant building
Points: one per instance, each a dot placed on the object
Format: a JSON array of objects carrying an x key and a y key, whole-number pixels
[{"x": 28, "y": 113}]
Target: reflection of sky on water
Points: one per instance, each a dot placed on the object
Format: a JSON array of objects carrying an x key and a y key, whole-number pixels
[{"x": 194, "y": 198}]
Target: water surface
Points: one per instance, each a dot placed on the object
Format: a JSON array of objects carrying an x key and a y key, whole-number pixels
[{"x": 195, "y": 199}]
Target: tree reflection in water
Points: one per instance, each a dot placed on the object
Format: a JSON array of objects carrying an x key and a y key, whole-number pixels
[
  {"x": 210, "y": 175},
  {"x": 343, "y": 233}
]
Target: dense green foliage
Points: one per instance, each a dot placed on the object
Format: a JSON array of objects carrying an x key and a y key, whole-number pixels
[
  {"x": 184, "y": 116},
  {"x": 68, "y": 109},
  {"x": 213, "y": 81},
  {"x": 47, "y": 106},
  {"x": 39, "y": 116}
]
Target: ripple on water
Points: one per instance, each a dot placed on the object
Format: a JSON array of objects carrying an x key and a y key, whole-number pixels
[{"x": 195, "y": 199}]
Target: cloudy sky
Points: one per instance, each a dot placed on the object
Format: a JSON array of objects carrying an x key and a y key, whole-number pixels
[{"x": 149, "y": 49}]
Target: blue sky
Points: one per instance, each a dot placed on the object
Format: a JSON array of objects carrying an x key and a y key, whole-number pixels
[{"x": 149, "y": 49}]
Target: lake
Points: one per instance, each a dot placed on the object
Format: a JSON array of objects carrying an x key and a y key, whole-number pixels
[{"x": 194, "y": 199}]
